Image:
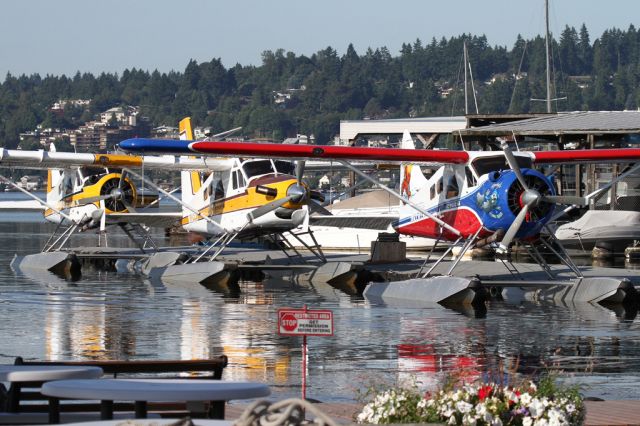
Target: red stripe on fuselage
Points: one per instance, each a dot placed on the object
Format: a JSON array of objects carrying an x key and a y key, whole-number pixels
[
  {"x": 464, "y": 220},
  {"x": 277, "y": 150}
]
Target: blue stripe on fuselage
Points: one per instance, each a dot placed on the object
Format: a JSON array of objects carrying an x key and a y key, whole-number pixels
[
  {"x": 160, "y": 146},
  {"x": 444, "y": 206}
]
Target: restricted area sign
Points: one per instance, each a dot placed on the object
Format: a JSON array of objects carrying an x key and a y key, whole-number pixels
[{"x": 305, "y": 322}]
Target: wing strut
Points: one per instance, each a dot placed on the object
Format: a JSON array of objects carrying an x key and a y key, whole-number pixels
[
  {"x": 38, "y": 199},
  {"x": 172, "y": 197},
  {"x": 598, "y": 192},
  {"x": 400, "y": 197}
]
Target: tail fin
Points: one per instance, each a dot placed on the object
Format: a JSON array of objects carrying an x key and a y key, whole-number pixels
[
  {"x": 54, "y": 182},
  {"x": 191, "y": 182},
  {"x": 411, "y": 177}
]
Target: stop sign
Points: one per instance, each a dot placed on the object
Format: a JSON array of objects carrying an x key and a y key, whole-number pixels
[{"x": 288, "y": 322}]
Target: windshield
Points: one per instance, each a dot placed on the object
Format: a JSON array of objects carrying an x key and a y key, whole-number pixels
[
  {"x": 484, "y": 165},
  {"x": 286, "y": 167},
  {"x": 257, "y": 167}
]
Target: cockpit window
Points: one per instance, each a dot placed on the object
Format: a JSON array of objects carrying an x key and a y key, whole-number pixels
[
  {"x": 257, "y": 167},
  {"x": 285, "y": 167},
  {"x": 484, "y": 165}
]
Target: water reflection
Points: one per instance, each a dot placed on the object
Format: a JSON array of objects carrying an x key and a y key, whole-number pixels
[{"x": 121, "y": 316}]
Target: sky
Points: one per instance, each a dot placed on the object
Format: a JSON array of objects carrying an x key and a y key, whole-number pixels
[{"x": 66, "y": 36}]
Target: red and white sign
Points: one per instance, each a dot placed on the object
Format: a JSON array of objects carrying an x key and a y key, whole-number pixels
[{"x": 305, "y": 322}]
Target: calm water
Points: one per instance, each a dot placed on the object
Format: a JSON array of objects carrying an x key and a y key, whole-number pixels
[{"x": 119, "y": 316}]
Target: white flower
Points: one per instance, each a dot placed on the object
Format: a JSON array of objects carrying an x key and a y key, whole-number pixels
[
  {"x": 481, "y": 409},
  {"x": 541, "y": 422},
  {"x": 510, "y": 395},
  {"x": 496, "y": 422},
  {"x": 536, "y": 408},
  {"x": 463, "y": 407},
  {"x": 570, "y": 408},
  {"x": 527, "y": 421},
  {"x": 556, "y": 417},
  {"x": 468, "y": 419},
  {"x": 452, "y": 420},
  {"x": 525, "y": 398}
]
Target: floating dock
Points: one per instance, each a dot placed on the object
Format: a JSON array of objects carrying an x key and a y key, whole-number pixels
[{"x": 471, "y": 281}]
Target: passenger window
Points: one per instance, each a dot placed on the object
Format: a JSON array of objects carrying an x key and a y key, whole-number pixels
[
  {"x": 432, "y": 191},
  {"x": 452, "y": 188},
  {"x": 439, "y": 187},
  {"x": 219, "y": 191},
  {"x": 234, "y": 182},
  {"x": 471, "y": 180}
]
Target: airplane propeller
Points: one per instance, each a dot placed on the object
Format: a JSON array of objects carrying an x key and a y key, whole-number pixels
[
  {"x": 529, "y": 199},
  {"x": 296, "y": 194},
  {"x": 115, "y": 196},
  {"x": 315, "y": 197}
]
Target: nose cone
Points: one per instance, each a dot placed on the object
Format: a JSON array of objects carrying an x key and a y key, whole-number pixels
[
  {"x": 129, "y": 145},
  {"x": 297, "y": 193},
  {"x": 160, "y": 146}
]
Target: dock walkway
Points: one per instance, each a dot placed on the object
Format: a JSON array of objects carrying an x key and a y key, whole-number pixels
[{"x": 599, "y": 413}]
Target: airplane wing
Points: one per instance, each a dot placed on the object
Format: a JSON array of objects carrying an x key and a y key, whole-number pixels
[
  {"x": 157, "y": 220},
  {"x": 53, "y": 159},
  {"x": 387, "y": 155},
  {"x": 276, "y": 150},
  {"x": 620, "y": 155},
  {"x": 21, "y": 205}
]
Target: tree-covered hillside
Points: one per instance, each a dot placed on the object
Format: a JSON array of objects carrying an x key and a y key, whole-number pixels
[{"x": 291, "y": 94}]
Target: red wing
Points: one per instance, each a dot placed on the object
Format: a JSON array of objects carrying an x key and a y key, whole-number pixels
[
  {"x": 330, "y": 152},
  {"x": 587, "y": 155}
]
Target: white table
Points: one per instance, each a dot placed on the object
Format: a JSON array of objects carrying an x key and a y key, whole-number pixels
[
  {"x": 43, "y": 373},
  {"x": 21, "y": 375},
  {"x": 142, "y": 391}
]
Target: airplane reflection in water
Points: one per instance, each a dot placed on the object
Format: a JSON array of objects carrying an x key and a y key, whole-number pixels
[
  {"x": 93, "y": 330},
  {"x": 123, "y": 319},
  {"x": 437, "y": 353}
]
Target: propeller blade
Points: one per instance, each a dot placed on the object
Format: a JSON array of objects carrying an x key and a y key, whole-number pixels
[
  {"x": 299, "y": 170},
  {"x": 121, "y": 181},
  {"x": 317, "y": 208},
  {"x": 317, "y": 195},
  {"x": 262, "y": 210},
  {"x": 566, "y": 199},
  {"x": 129, "y": 207},
  {"x": 91, "y": 200},
  {"x": 513, "y": 164},
  {"x": 513, "y": 230}
]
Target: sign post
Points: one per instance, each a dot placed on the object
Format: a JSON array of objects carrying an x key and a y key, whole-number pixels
[{"x": 305, "y": 322}]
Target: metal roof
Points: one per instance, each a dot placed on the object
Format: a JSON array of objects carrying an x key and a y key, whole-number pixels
[
  {"x": 350, "y": 129},
  {"x": 589, "y": 122}
]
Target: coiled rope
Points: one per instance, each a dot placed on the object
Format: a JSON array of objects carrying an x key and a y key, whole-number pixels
[{"x": 289, "y": 412}]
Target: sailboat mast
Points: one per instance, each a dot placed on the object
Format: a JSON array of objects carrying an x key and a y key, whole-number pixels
[
  {"x": 546, "y": 6},
  {"x": 466, "y": 96}
]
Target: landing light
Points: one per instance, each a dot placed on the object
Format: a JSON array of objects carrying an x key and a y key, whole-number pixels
[{"x": 265, "y": 190}]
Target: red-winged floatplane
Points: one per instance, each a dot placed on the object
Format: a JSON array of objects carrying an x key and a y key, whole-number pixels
[{"x": 473, "y": 199}]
